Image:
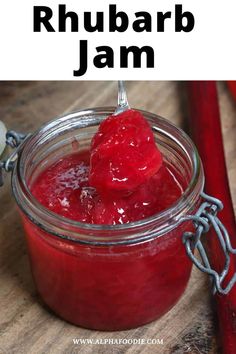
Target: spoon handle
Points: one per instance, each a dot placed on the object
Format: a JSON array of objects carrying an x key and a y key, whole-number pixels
[{"x": 123, "y": 104}]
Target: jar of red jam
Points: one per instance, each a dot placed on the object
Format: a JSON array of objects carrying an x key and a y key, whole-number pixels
[{"x": 107, "y": 277}]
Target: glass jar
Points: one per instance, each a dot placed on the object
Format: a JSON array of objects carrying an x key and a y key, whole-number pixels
[{"x": 98, "y": 276}]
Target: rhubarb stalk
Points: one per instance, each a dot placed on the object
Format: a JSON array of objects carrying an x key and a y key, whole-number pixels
[{"x": 205, "y": 127}]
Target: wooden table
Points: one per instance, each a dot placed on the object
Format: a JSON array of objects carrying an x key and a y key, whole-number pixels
[{"x": 26, "y": 326}]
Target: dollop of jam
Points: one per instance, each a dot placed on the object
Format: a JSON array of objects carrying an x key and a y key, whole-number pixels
[{"x": 123, "y": 153}]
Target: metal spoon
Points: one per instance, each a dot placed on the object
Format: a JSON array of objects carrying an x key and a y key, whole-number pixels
[{"x": 123, "y": 104}]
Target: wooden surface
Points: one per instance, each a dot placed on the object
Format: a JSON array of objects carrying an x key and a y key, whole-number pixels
[{"x": 26, "y": 326}]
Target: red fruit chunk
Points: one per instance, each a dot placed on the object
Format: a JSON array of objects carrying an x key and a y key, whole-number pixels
[{"x": 123, "y": 153}]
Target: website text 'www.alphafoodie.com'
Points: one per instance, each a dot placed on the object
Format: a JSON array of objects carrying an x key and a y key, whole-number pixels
[{"x": 118, "y": 341}]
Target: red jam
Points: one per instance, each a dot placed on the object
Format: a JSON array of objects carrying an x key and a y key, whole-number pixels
[
  {"x": 121, "y": 286},
  {"x": 64, "y": 188}
]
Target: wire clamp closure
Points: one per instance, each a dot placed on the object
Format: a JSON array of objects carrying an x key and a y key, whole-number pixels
[
  {"x": 203, "y": 220},
  {"x": 14, "y": 140}
]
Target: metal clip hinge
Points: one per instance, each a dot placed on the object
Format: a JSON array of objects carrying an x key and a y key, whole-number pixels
[
  {"x": 205, "y": 218},
  {"x": 14, "y": 140}
]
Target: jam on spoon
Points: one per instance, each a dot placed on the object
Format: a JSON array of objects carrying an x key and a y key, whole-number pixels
[{"x": 123, "y": 151}]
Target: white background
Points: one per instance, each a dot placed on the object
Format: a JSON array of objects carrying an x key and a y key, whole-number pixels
[{"x": 208, "y": 52}]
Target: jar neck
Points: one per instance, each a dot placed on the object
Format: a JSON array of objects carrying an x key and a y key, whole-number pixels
[{"x": 53, "y": 141}]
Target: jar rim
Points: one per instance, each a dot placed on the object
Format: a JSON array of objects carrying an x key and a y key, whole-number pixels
[{"x": 171, "y": 212}]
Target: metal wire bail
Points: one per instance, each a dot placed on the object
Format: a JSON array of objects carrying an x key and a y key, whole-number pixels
[
  {"x": 205, "y": 218},
  {"x": 14, "y": 140}
]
